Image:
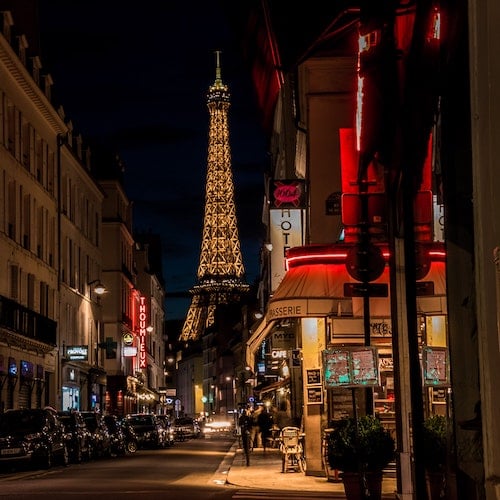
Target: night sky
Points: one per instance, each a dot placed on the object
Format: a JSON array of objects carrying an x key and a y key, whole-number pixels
[{"x": 135, "y": 78}]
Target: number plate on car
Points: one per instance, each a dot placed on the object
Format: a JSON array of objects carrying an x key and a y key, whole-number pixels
[{"x": 11, "y": 451}]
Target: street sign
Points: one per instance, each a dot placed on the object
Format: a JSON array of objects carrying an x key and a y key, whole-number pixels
[
  {"x": 425, "y": 288},
  {"x": 366, "y": 290},
  {"x": 365, "y": 262}
]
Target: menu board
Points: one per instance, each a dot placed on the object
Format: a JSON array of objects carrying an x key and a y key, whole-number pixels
[
  {"x": 336, "y": 368},
  {"x": 350, "y": 367},
  {"x": 436, "y": 366},
  {"x": 364, "y": 368},
  {"x": 314, "y": 395},
  {"x": 314, "y": 377}
]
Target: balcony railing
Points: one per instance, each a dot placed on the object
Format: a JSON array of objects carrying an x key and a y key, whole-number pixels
[{"x": 25, "y": 322}]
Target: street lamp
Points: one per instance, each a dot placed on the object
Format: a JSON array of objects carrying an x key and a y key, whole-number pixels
[
  {"x": 211, "y": 398},
  {"x": 99, "y": 288},
  {"x": 226, "y": 391}
]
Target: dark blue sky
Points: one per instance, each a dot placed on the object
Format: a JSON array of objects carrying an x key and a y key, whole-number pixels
[{"x": 136, "y": 77}]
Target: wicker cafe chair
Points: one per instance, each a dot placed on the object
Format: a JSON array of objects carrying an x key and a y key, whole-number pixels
[{"x": 292, "y": 452}]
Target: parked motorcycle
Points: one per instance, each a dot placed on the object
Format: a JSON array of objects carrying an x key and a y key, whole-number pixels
[
  {"x": 131, "y": 442},
  {"x": 117, "y": 435}
]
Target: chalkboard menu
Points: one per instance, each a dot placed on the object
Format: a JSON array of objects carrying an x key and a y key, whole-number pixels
[
  {"x": 314, "y": 377},
  {"x": 350, "y": 367},
  {"x": 314, "y": 395}
]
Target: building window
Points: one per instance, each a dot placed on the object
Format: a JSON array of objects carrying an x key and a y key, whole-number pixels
[{"x": 14, "y": 282}]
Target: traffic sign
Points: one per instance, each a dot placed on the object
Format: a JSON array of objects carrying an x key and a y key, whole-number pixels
[{"x": 366, "y": 290}]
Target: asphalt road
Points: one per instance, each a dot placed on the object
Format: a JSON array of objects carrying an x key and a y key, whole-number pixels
[{"x": 188, "y": 470}]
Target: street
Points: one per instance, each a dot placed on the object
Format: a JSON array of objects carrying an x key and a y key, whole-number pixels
[
  {"x": 196, "y": 468},
  {"x": 183, "y": 471}
]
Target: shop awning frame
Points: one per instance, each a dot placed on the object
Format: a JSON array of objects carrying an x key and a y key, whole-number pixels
[{"x": 258, "y": 336}]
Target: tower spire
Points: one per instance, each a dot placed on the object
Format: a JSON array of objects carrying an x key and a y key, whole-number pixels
[
  {"x": 218, "y": 77},
  {"x": 220, "y": 276}
]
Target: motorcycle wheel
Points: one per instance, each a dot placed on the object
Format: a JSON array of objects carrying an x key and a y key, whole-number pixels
[{"x": 131, "y": 446}]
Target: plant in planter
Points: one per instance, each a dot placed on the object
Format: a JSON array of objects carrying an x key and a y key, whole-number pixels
[
  {"x": 361, "y": 449},
  {"x": 434, "y": 453}
]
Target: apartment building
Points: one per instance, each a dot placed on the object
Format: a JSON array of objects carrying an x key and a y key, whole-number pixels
[
  {"x": 50, "y": 225},
  {"x": 77, "y": 328}
]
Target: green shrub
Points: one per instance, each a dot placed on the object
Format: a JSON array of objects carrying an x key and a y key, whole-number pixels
[
  {"x": 371, "y": 448},
  {"x": 434, "y": 440}
]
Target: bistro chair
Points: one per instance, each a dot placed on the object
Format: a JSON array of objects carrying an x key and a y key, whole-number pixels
[{"x": 292, "y": 451}]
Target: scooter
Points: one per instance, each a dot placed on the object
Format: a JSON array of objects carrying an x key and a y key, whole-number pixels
[{"x": 131, "y": 441}]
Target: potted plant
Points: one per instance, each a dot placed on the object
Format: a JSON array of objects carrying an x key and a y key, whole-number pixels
[
  {"x": 361, "y": 449},
  {"x": 434, "y": 453}
]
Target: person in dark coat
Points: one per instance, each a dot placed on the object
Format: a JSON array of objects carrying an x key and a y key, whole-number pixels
[
  {"x": 265, "y": 421},
  {"x": 245, "y": 423}
]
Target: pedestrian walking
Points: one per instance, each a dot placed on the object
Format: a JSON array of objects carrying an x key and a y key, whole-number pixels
[
  {"x": 265, "y": 421},
  {"x": 283, "y": 419},
  {"x": 255, "y": 435},
  {"x": 245, "y": 424}
]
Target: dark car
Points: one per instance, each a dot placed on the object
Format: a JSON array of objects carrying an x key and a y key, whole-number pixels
[
  {"x": 78, "y": 438},
  {"x": 168, "y": 428},
  {"x": 33, "y": 437},
  {"x": 101, "y": 440},
  {"x": 186, "y": 428},
  {"x": 117, "y": 435},
  {"x": 150, "y": 432}
]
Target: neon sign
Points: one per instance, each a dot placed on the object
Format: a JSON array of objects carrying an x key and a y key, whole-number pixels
[{"x": 142, "y": 332}]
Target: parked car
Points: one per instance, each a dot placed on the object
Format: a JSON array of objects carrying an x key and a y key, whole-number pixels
[
  {"x": 33, "y": 437},
  {"x": 115, "y": 429},
  {"x": 168, "y": 429},
  {"x": 186, "y": 428},
  {"x": 78, "y": 438},
  {"x": 150, "y": 432},
  {"x": 101, "y": 440}
]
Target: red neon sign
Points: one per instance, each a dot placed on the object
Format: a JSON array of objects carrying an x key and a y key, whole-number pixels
[{"x": 142, "y": 333}]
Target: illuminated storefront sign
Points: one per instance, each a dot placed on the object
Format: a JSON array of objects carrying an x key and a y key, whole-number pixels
[
  {"x": 77, "y": 352},
  {"x": 129, "y": 351},
  {"x": 142, "y": 333}
]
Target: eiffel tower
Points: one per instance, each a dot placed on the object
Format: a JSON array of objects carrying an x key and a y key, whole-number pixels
[{"x": 220, "y": 277}]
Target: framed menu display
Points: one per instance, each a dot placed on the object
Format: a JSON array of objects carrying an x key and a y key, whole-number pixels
[
  {"x": 436, "y": 366},
  {"x": 350, "y": 367}
]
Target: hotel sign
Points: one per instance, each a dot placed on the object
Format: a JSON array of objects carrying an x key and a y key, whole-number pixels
[{"x": 286, "y": 231}]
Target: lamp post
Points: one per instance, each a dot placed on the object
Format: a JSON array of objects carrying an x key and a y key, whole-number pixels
[
  {"x": 226, "y": 391},
  {"x": 95, "y": 393},
  {"x": 211, "y": 398}
]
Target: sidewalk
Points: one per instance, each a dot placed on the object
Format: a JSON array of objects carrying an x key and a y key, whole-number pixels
[{"x": 264, "y": 472}]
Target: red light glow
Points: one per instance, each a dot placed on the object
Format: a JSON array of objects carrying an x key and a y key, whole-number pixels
[
  {"x": 435, "y": 29},
  {"x": 142, "y": 333}
]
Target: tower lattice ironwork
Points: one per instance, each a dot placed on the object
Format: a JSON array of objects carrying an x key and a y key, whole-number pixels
[{"x": 220, "y": 277}]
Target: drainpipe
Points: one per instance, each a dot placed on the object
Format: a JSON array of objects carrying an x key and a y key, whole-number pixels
[{"x": 62, "y": 139}]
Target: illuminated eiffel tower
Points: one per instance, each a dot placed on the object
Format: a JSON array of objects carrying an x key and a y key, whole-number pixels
[{"x": 221, "y": 271}]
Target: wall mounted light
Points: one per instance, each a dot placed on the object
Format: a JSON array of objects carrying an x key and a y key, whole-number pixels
[{"x": 99, "y": 288}]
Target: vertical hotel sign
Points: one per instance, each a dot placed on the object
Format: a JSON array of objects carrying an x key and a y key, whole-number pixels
[
  {"x": 286, "y": 224},
  {"x": 142, "y": 332}
]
